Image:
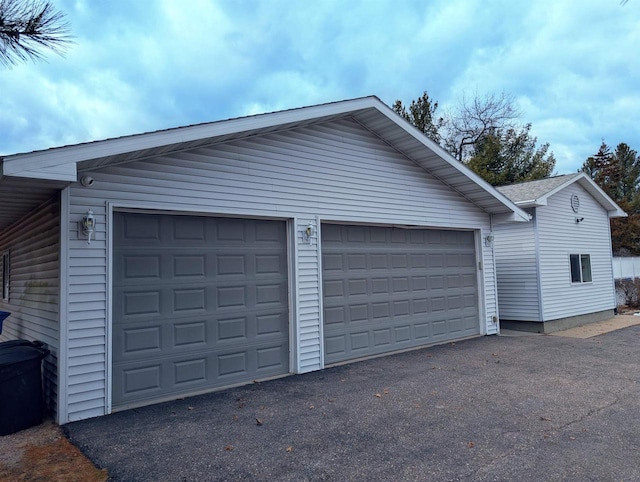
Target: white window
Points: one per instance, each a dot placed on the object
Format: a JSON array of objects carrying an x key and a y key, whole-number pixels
[
  {"x": 5, "y": 276},
  {"x": 580, "y": 268}
]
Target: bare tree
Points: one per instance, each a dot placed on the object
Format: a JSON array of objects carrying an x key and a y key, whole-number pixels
[
  {"x": 476, "y": 119},
  {"x": 29, "y": 26}
]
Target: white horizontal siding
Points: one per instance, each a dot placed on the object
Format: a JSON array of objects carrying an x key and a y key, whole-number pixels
[
  {"x": 34, "y": 246},
  {"x": 560, "y": 236},
  {"x": 377, "y": 186},
  {"x": 309, "y": 347},
  {"x": 86, "y": 316},
  {"x": 337, "y": 171},
  {"x": 517, "y": 272},
  {"x": 488, "y": 287}
]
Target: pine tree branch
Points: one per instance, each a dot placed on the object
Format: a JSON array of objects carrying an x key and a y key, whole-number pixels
[{"x": 29, "y": 26}]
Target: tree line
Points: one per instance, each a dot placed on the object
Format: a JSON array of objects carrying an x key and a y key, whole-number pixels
[
  {"x": 617, "y": 172},
  {"x": 487, "y": 135}
]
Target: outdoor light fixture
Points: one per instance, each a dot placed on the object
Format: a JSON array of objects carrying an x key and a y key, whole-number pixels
[
  {"x": 308, "y": 233},
  {"x": 488, "y": 240},
  {"x": 88, "y": 225}
]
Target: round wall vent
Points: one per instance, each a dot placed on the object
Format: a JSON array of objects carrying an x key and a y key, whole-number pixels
[{"x": 575, "y": 203}]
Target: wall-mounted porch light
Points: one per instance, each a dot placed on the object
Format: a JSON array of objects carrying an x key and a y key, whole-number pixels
[
  {"x": 87, "y": 226},
  {"x": 308, "y": 233},
  {"x": 488, "y": 240}
]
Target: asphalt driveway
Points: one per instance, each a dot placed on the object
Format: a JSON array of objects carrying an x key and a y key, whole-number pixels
[{"x": 530, "y": 407}]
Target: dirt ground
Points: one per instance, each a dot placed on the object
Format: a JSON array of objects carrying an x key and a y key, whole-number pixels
[{"x": 43, "y": 453}]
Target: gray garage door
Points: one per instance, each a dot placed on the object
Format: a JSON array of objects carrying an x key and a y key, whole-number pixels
[
  {"x": 386, "y": 289},
  {"x": 198, "y": 303}
]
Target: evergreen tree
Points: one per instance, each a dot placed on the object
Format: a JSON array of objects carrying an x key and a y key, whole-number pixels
[
  {"x": 618, "y": 174},
  {"x": 422, "y": 115},
  {"x": 510, "y": 156}
]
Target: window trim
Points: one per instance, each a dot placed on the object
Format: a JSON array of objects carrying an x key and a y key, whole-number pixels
[
  {"x": 580, "y": 269},
  {"x": 6, "y": 275}
]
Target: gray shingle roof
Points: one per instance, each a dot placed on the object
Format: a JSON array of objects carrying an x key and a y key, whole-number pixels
[{"x": 529, "y": 191}]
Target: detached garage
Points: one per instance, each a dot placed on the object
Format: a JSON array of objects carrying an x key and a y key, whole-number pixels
[{"x": 176, "y": 262}]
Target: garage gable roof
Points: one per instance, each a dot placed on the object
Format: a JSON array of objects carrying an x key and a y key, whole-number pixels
[
  {"x": 63, "y": 163},
  {"x": 536, "y": 193}
]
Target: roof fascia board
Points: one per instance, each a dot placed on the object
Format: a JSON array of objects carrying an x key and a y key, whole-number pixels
[
  {"x": 531, "y": 203},
  {"x": 613, "y": 210},
  {"x": 63, "y": 172},
  {"x": 446, "y": 157},
  {"x": 505, "y": 218},
  {"x": 81, "y": 152}
]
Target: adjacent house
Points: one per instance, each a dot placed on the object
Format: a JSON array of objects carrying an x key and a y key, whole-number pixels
[
  {"x": 176, "y": 262},
  {"x": 556, "y": 271}
]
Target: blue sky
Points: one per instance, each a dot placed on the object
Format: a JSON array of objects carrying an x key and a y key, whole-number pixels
[{"x": 573, "y": 68}]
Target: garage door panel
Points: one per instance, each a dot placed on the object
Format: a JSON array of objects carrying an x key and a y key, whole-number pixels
[
  {"x": 141, "y": 266},
  {"x": 189, "y": 266},
  {"x": 419, "y": 283},
  {"x": 358, "y": 313},
  {"x": 131, "y": 302},
  {"x": 270, "y": 358},
  {"x": 335, "y": 345},
  {"x": 136, "y": 228},
  {"x": 271, "y": 324},
  {"x": 190, "y": 334},
  {"x": 386, "y": 289},
  {"x": 359, "y": 341},
  {"x": 422, "y": 331},
  {"x": 333, "y": 288},
  {"x": 136, "y": 303},
  {"x": 190, "y": 371},
  {"x": 379, "y": 261},
  {"x": 231, "y": 330},
  {"x": 141, "y": 380},
  {"x": 403, "y": 333},
  {"x": 139, "y": 339},
  {"x": 136, "y": 267},
  {"x": 203, "y": 305},
  {"x": 380, "y": 310}
]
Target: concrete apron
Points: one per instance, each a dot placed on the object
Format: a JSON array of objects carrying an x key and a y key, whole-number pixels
[
  {"x": 600, "y": 327},
  {"x": 586, "y": 331}
]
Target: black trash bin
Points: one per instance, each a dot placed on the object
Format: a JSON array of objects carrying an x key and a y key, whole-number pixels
[
  {"x": 21, "y": 404},
  {"x": 20, "y": 342},
  {"x": 3, "y": 316}
]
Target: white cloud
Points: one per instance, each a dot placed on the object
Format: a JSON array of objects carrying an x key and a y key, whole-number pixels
[
  {"x": 140, "y": 66},
  {"x": 570, "y": 67}
]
